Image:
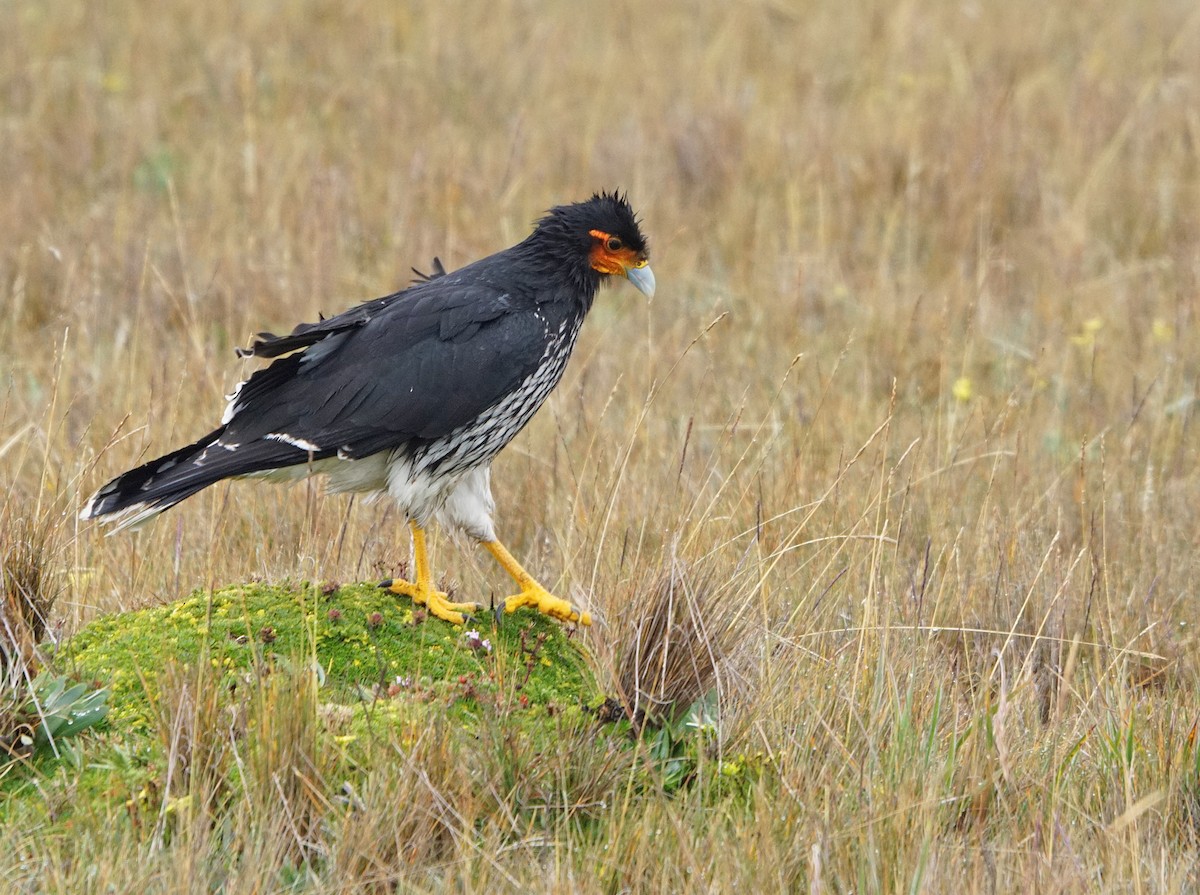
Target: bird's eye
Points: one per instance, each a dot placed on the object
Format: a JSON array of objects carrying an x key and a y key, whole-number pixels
[{"x": 613, "y": 244}]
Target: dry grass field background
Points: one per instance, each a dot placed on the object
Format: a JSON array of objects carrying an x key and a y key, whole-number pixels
[{"x": 913, "y": 412}]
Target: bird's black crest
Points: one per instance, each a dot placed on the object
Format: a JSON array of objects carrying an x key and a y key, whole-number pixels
[{"x": 608, "y": 212}]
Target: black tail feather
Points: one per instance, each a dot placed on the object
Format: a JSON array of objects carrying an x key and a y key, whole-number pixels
[{"x": 144, "y": 492}]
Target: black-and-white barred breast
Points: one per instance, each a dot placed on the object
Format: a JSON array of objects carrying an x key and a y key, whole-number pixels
[{"x": 478, "y": 442}]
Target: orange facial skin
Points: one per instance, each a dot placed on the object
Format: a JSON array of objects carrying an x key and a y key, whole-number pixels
[{"x": 616, "y": 260}]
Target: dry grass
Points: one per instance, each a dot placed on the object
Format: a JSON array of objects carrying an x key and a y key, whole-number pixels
[
  {"x": 30, "y": 583},
  {"x": 938, "y": 454},
  {"x": 29, "y": 587}
]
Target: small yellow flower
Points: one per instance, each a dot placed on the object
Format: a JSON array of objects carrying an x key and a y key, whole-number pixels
[
  {"x": 114, "y": 82},
  {"x": 1087, "y": 336},
  {"x": 961, "y": 389},
  {"x": 1161, "y": 330}
]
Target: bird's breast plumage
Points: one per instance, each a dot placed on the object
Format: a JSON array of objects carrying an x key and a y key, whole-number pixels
[{"x": 477, "y": 442}]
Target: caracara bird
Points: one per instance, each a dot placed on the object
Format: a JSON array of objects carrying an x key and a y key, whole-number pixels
[{"x": 414, "y": 394}]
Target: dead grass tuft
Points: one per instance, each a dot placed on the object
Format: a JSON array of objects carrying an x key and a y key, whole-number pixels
[
  {"x": 30, "y": 584},
  {"x": 680, "y": 632}
]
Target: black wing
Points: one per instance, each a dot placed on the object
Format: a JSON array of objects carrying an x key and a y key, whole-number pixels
[{"x": 415, "y": 365}]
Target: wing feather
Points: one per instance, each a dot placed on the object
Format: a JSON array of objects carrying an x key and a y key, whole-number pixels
[
  {"x": 415, "y": 365},
  {"x": 306, "y": 334}
]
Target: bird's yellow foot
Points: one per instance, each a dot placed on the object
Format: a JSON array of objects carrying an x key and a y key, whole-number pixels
[
  {"x": 547, "y": 604},
  {"x": 435, "y": 601}
]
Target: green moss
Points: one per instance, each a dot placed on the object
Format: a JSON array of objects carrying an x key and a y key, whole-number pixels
[
  {"x": 365, "y": 640},
  {"x": 387, "y": 675}
]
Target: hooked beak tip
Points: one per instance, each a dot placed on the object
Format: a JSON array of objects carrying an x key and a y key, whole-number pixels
[{"x": 642, "y": 278}]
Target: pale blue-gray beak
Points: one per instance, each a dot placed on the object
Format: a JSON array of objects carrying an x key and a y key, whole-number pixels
[{"x": 643, "y": 278}]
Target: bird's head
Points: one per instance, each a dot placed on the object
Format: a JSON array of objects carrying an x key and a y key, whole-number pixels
[{"x": 602, "y": 238}]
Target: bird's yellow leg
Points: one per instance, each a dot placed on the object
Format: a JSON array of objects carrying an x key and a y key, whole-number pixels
[
  {"x": 532, "y": 593},
  {"x": 423, "y": 592}
]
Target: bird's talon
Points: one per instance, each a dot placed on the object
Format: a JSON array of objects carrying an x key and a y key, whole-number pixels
[
  {"x": 547, "y": 604},
  {"x": 435, "y": 601},
  {"x": 403, "y": 588}
]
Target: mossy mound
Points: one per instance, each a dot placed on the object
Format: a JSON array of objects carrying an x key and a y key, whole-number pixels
[{"x": 365, "y": 641}]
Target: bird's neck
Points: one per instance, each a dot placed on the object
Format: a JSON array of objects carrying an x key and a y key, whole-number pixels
[{"x": 560, "y": 270}]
